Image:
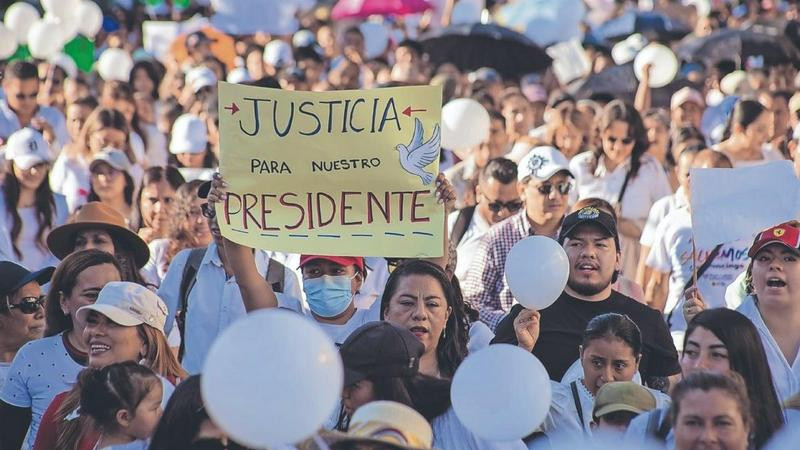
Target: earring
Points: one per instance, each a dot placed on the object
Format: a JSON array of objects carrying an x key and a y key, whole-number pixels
[{"x": 444, "y": 332}]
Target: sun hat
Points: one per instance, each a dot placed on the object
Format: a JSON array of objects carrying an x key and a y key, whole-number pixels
[
  {"x": 128, "y": 304},
  {"x": 96, "y": 215}
]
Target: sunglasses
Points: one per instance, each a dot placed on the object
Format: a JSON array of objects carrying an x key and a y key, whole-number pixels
[
  {"x": 512, "y": 206},
  {"x": 562, "y": 188},
  {"x": 208, "y": 211},
  {"x": 625, "y": 141},
  {"x": 29, "y": 305}
]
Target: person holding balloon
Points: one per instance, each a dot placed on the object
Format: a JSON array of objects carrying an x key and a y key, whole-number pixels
[
  {"x": 19, "y": 107},
  {"x": 571, "y": 286}
]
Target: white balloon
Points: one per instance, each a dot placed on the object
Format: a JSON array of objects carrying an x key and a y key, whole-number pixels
[
  {"x": 60, "y": 8},
  {"x": 664, "y": 64},
  {"x": 376, "y": 39},
  {"x": 115, "y": 64},
  {"x": 537, "y": 269},
  {"x": 8, "y": 42},
  {"x": 67, "y": 26},
  {"x": 44, "y": 39},
  {"x": 271, "y": 378},
  {"x": 20, "y": 17},
  {"x": 465, "y": 124},
  {"x": 513, "y": 405},
  {"x": 91, "y": 18}
]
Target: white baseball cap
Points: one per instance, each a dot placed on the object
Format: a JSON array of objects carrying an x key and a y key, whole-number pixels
[
  {"x": 128, "y": 304},
  {"x": 200, "y": 77},
  {"x": 113, "y": 157},
  {"x": 27, "y": 148},
  {"x": 238, "y": 75},
  {"x": 189, "y": 135},
  {"x": 542, "y": 163},
  {"x": 278, "y": 54}
]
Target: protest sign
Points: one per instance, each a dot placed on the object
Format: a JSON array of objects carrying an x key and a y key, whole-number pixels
[
  {"x": 335, "y": 173},
  {"x": 733, "y": 204}
]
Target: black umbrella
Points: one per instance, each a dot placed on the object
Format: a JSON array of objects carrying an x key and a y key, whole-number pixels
[
  {"x": 620, "y": 82},
  {"x": 739, "y": 45},
  {"x": 653, "y": 25},
  {"x": 471, "y": 47}
]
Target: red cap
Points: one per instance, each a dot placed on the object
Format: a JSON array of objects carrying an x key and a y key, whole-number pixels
[
  {"x": 787, "y": 234},
  {"x": 341, "y": 260}
]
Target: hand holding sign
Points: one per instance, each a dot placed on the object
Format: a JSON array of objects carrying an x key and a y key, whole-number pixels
[
  {"x": 537, "y": 269},
  {"x": 513, "y": 405}
]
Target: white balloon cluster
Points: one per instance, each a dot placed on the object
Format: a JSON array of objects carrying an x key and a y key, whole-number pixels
[{"x": 46, "y": 36}]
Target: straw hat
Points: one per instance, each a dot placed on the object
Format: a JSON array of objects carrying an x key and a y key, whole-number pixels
[{"x": 96, "y": 215}]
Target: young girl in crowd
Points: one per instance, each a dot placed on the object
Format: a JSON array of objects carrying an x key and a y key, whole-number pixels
[
  {"x": 156, "y": 202},
  {"x": 28, "y": 208},
  {"x": 624, "y": 174},
  {"x": 722, "y": 341},
  {"x": 112, "y": 184},
  {"x": 123, "y": 401},
  {"x": 45, "y": 367},
  {"x": 119, "y": 96}
]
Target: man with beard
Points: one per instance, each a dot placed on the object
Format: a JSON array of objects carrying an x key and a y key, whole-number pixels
[{"x": 589, "y": 237}]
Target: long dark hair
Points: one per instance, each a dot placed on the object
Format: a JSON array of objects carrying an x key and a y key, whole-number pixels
[
  {"x": 152, "y": 72},
  {"x": 63, "y": 282},
  {"x": 617, "y": 326},
  {"x": 747, "y": 358},
  {"x": 44, "y": 203},
  {"x": 157, "y": 174},
  {"x": 744, "y": 113},
  {"x": 182, "y": 418},
  {"x": 452, "y": 346},
  {"x": 127, "y": 194},
  {"x": 619, "y": 111}
]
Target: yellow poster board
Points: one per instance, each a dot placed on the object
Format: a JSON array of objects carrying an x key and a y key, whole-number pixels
[{"x": 332, "y": 173}]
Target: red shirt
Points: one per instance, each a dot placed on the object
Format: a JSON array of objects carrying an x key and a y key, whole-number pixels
[{"x": 47, "y": 435}]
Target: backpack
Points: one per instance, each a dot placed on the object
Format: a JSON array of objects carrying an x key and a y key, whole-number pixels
[{"x": 274, "y": 276}]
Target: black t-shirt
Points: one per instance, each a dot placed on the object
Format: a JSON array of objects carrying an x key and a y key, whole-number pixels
[{"x": 563, "y": 324}]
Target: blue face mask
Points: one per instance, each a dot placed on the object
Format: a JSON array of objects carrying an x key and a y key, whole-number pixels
[{"x": 328, "y": 296}]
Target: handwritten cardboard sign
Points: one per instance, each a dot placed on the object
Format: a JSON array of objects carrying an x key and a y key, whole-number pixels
[{"x": 333, "y": 173}]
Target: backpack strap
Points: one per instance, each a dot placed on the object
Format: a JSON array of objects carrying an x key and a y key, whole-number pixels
[
  {"x": 188, "y": 280},
  {"x": 275, "y": 276},
  {"x": 462, "y": 223},
  {"x": 576, "y": 398}
]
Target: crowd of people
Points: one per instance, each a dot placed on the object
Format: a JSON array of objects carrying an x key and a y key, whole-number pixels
[{"x": 115, "y": 279}]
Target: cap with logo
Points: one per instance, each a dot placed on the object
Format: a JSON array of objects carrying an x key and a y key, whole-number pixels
[
  {"x": 128, "y": 304},
  {"x": 13, "y": 277},
  {"x": 189, "y": 135},
  {"x": 380, "y": 349},
  {"x": 27, "y": 148},
  {"x": 622, "y": 396},
  {"x": 114, "y": 158},
  {"x": 787, "y": 234},
  {"x": 589, "y": 215},
  {"x": 542, "y": 163}
]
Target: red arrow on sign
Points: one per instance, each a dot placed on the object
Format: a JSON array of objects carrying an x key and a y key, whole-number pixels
[
  {"x": 233, "y": 108},
  {"x": 408, "y": 111}
]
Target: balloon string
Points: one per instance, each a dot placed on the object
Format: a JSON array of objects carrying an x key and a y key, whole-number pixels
[{"x": 320, "y": 442}]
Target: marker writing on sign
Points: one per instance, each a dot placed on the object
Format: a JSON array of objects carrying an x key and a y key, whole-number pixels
[{"x": 309, "y": 118}]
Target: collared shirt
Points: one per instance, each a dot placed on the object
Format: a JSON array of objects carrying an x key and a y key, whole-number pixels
[
  {"x": 214, "y": 303},
  {"x": 485, "y": 285},
  {"x": 660, "y": 209},
  {"x": 478, "y": 226},
  {"x": 785, "y": 376},
  {"x": 9, "y": 123},
  {"x": 463, "y": 177}
]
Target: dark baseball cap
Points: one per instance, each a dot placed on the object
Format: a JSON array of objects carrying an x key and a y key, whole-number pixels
[
  {"x": 196, "y": 38},
  {"x": 589, "y": 215},
  {"x": 13, "y": 276},
  {"x": 380, "y": 349}
]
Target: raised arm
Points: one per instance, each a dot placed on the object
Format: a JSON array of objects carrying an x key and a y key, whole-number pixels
[{"x": 256, "y": 292}]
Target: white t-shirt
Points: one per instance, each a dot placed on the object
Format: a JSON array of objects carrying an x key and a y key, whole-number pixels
[
  {"x": 339, "y": 333},
  {"x": 768, "y": 154},
  {"x": 660, "y": 209},
  {"x": 156, "y": 153},
  {"x": 450, "y": 433},
  {"x": 671, "y": 252},
  {"x": 468, "y": 246},
  {"x": 70, "y": 177},
  {"x": 33, "y": 256},
  {"x": 41, "y": 370}
]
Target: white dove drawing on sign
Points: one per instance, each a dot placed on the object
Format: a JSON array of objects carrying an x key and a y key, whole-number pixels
[{"x": 418, "y": 155}]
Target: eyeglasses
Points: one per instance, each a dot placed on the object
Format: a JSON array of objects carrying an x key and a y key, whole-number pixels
[
  {"x": 208, "y": 211},
  {"x": 625, "y": 141},
  {"x": 512, "y": 206},
  {"x": 562, "y": 188},
  {"x": 29, "y": 305}
]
